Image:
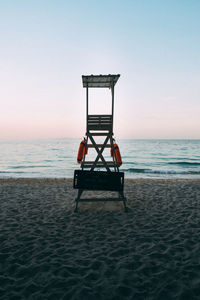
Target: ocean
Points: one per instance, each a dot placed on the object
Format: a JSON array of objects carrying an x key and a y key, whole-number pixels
[{"x": 141, "y": 158}]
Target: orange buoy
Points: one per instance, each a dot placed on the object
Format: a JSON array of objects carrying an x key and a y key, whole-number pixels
[
  {"x": 111, "y": 152},
  {"x": 82, "y": 151},
  {"x": 117, "y": 154}
]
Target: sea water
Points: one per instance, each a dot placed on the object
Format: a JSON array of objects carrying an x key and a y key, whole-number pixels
[{"x": 141, "y": 158}]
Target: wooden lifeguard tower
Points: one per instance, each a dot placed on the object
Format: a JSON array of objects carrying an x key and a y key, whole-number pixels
[{"x": 89, "y": 178}]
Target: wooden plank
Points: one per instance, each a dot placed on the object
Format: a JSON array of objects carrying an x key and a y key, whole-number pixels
[
  {"x": 110, "y": 162},
  {"x": 99, "y": 127},
  {"x": 99, "y": 121},
  {"x": 99, "y": 117},
  {"x": 98, "y": 145},
  {"x": 103, "y": 116},
  {"x": 98, "y": 133},
  {"x": 99, "y": 124},
  {"x": 98, "y": 180},
  {"x": 100, "y": 199},
  {"x": 100, "y": 164}
]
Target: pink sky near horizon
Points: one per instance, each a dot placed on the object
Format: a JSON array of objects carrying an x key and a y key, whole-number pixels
[{"x": 61, "y": 113}]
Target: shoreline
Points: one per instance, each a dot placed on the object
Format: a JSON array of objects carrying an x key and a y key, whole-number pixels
[{"x": 62, "y": 180}]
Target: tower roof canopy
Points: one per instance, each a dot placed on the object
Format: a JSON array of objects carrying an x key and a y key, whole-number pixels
[{"x": 99, "y": 81}]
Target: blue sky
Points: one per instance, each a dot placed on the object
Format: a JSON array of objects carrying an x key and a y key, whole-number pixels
[{"x": 47, "y": 45}]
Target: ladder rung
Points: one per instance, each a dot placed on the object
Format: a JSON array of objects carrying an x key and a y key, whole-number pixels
[
  {"x": 89, "y": 164},
  {"x": 99, "y": 145},
  {"x": 100, "y": 199}
]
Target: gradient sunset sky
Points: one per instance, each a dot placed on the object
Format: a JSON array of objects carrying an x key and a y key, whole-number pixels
[{"x": 45, "y": 47}]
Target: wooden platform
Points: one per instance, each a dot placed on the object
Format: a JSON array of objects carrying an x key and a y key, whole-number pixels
[
  {"x": 100, "y": 164},
  {"x": 99, "y": 180}
]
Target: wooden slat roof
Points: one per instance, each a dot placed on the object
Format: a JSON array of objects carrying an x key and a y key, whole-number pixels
[{"x": 94, "y": 81}]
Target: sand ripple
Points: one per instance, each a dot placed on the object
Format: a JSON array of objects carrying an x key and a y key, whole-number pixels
[{"x": 49, "y": 252}]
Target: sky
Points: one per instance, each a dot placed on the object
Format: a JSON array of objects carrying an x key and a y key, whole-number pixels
[{"x": 46, "y": 46}]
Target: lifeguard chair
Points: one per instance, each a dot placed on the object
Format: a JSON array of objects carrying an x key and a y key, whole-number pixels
[{"x": 91, "y": 176}]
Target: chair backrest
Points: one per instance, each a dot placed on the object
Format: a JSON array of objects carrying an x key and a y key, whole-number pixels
[{"x": 99, "y": 122}]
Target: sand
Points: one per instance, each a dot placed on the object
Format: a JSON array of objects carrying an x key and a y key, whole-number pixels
[{"x": 49, "y": 252}]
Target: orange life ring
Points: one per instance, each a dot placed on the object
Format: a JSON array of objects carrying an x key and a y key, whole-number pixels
[
  {"x": 82, "y": 151},
  {"x": 117, "y": 154}
]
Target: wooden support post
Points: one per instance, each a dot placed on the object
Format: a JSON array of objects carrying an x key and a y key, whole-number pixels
[
  {"x": 112, "y": 92},
  {"x": 87, "y": 108},
  {"x": 80, "y": 191}
]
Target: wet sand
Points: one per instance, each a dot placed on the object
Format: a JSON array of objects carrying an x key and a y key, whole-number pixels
[{"x": 49, "y": 252}]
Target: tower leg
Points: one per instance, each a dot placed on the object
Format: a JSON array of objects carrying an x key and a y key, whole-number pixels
[
  {"x": 77, "y": 199},
  {"x": 121, "y": 195}
]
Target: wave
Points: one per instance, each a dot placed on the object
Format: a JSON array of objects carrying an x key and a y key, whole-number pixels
[
  {"x": 14, "y": 172},
  {"x": 164, "y": 172},
  {"x": 135, "y": 170},
  {"x": 30, "y": 167},
  {"x": 185, "y": 163},
  {"x": 184, "y": 158}
]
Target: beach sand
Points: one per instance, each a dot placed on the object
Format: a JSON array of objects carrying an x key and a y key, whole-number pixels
[{"x": 49, "y": 252}]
